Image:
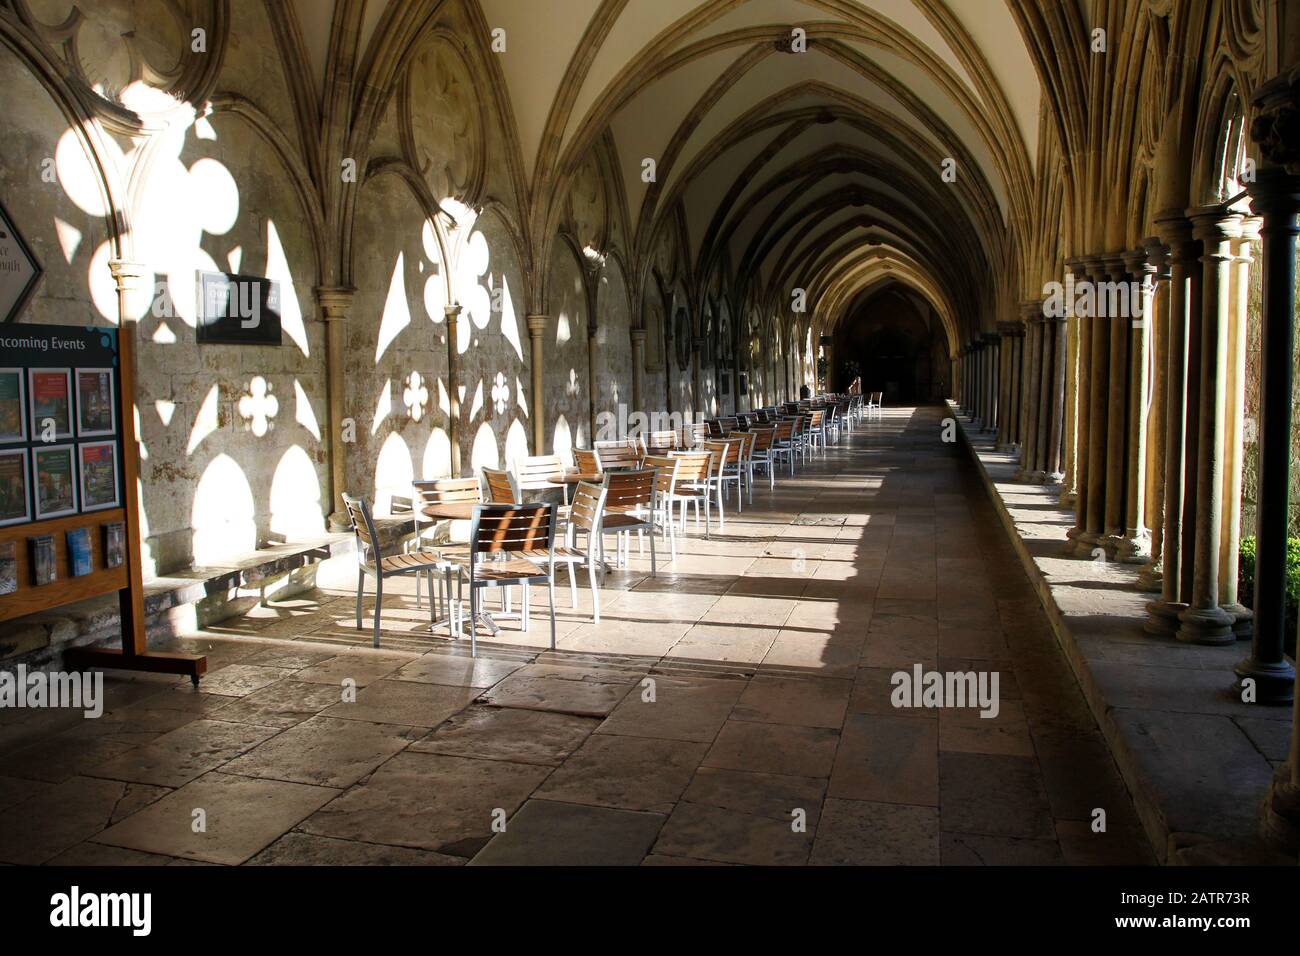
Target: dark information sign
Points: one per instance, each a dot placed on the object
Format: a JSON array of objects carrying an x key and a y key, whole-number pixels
[{"x": 238, "y": 309}]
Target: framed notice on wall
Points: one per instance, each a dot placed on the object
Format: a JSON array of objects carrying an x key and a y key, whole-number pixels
[
  {"x": 238, "y": 310},
  {"x": 19, "y": 270}
]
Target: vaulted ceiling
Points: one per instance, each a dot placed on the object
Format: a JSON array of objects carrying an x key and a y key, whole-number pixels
[{"x": 801, "y": 143}]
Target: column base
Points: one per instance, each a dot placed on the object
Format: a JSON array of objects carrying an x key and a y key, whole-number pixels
[
  {"x": 1274, "y": 682},
  {"x": 1152, "y": 575},
  {"x": 1243, "y": 620},
  {"x": 338, "y": 521},
  {"x": 1162, "y": 617},
  {"x": 1206, "y": 625},
  {"x": 1068, "y": 499},
  {"x": 1086, "y": 544},
  {"x": 1279, "y": 816},
  {"x": 1036, "y": 477},
  {"x": 1133, "y": 547}
]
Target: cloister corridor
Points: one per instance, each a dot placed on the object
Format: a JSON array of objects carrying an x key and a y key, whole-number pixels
[{"x": 770, "y": 647}]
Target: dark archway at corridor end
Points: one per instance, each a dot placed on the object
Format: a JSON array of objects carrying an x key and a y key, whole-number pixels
[{"x": 895, "y": 341}]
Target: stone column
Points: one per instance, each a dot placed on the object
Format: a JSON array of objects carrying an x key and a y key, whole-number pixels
[
  {"x": 537, "y": 325},
  {"x": 1029, "y": 394},
  {"x": 1090, "y": 523},
  {"x": 991, "y": 340},
  {"x": 1117, "y": 403},
  {"x": 1149, "y": 578},
  {"x": 1235, "y": 428},
  {"x": 1275, "y": 196},
  {"x": 1069, "y": 480},
  {"x": 1184, "y": 278},
  {"x": 453, "y": 385},
  {"x": 1006, "y": 386},
  {"x": 1052, "y": 462},
  {"x": 1043, "y": 386},
  {"x": 1134, "y": 545},
  {"x": 638, "y": 370},
  {"x": 1204, "y": 622},
  {"x": 697, "y": 395},
  {"x": 1018, "y": 387},
  {"x": 1032, "y": 467},
  {"x": 335, "y": 307},
  {"x": 593, "y": 382}
]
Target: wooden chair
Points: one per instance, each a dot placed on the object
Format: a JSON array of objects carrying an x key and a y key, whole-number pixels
[
  {"x": 499, "y": 486},
  {"x": 724, "y": 470},
  {"x": 533, "y": 473},
  {"x": 586, "y": 516},
  {"x": 660, "y": 442},
  {"x": 621, "y": 453},
  {"x": 511, "y": 531},
  {"x": 629, "y": 506},
  {"x": 431, "y": 492},
  {"x": 587, "y": 461},
  {"x": 371, "y": 560},
  {"x": 692, "y": 486},
  {"x": 745, "y": 463},
  {"x": 665, "y": 467},
  {"x": 761, "y": 455},
  {"x": 784, "y": 441}
]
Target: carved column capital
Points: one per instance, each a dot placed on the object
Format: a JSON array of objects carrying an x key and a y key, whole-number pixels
[
  {"x": 537, "y": 325},
  {"x": 335, "y": 302},
  {"x": 1276, "y": 126},
  {"x": 638, "y": 336},
  {"x": 129, "y": 276}
]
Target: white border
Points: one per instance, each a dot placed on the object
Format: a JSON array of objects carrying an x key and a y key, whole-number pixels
[
  {"x": 22, "y": 405},
  {"x": 27, "y": 488},
  {"x": 72, "y": 401},
  {"x": 39, "y": 450},
  {"x": 112, "y": 404},
  {"x": 81, "y": 476}
]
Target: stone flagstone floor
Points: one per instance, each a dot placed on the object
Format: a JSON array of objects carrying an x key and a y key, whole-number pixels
[{"x": 770, "y": 738}]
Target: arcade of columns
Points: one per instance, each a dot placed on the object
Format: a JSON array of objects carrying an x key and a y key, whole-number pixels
[{"x": 1140, "y": 419}]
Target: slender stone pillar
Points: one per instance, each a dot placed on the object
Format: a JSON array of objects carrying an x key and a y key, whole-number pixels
[
  {"x": 697, "y": 381},
  {"x": 1235, "y": 428},
  {"x": 453, "y": 385},
  {"x": 537, "y": 326},
  {"x": 1016, "y": 419},
  {"x": 1184, "y": 278},
  {"x": 1276, "y": 197},
  {"x": 1033, "y": 370},
  {"x": 638, "y": 370},
  {"x": 1004, "y": 387},
  {"x": 1110, "y": 311},
  {"x": 1053, "y": 464},
  {"x": 335, "y": 306},
  {"x": 1134, "y": 545},
  {"x": 593, "y": 377},
  {"x": 1043, "y": 404},
  {"x": 1204, "y": 621},
  {"x": 1093, "y": 493},
  {"x": 993, "y": 340},
  {"x": 1151, "y": 574},
  {"x": 1069, "y": 469}
]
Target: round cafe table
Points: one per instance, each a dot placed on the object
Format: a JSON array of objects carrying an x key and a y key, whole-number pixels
[{"x": 453, "y": 511}]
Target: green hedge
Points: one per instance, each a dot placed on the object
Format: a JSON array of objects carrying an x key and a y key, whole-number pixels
[{"x": 1246, "y": 583}]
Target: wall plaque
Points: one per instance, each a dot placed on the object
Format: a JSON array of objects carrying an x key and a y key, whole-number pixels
[
  {"x": 19, "y": 270},
  {"x": 238, "y": 309}
]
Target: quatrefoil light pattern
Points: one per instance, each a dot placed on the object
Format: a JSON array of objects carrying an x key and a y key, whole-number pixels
[
  {"x": 259, "y": 406},
  {"x": 573, "y": 388},
  {"x": 415, "y": 396},
  {"x": 500, "y": 393}
]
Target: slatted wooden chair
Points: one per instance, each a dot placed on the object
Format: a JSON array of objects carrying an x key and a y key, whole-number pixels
[
  {"x": 744, "y": 463},
  {"x": 692, "y": 486},
  {"x": 619, "y": 453},
  {"x": 587, "y": 461},
  {"x": 371, "y": 561},
  {"x": 429, "y": 493},
  {"x": 513, "y": 532},
  {"x": 499, "y": 486},
  {"x": 784, "y": 442},
  {"x": 761, "y": 455},
  {"x": 534, "y": 473},
  {"x": 817, "y": 430},
  {"x": 629, "y": 506},
  {"x": 665, "y": 467},
  {"x": 660, "y": 442},
  {"x": 723, "y": 472}
]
